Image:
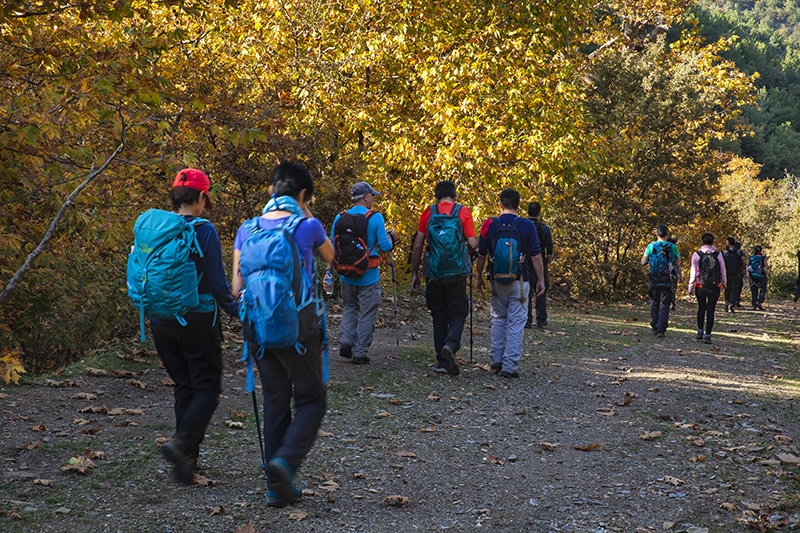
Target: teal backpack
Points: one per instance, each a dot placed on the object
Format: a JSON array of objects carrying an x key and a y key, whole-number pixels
[
  {"x": 757, "y": 266},
  {"x": 162, "y": 278},
  {"x": 447, "y": 256}
]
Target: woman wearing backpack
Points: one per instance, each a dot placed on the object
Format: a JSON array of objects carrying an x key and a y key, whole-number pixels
[
  {"x": 294, "y": 371},
  {"x": 757, "y": 271},
  {"x": 707, "y": 279},
  {"x": 190, "y": 349}
]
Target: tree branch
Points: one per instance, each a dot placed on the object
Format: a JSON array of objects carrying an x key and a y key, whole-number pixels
[{"x": 54, "y": 224}]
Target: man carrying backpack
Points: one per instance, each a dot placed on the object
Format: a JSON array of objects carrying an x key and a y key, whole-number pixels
[
  {"x": 449, "y": 230},
  {"x": 661, "y": 255},
  {"x": 735, "y": 263},
  {"x": 757, "y": 270},
  {"x": 708, "y": 276},
  {"x": 545, "y": 236},
  {"x": 797, "y": 284},
  {"x": 358, "y": 234},
  {"x": 188, "y": 342},
  {"x": 511, "y": 243},
  {"x": 273, "y": 261}
]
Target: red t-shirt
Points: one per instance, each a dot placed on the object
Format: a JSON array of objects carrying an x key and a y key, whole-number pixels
[{"x": 464, "y": 214}]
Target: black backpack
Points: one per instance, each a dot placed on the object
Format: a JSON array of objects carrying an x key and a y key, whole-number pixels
[
  {"x": 733, "y": 261},
  {"x": 710, "y": 270},
  {"x": 351, "y": 257}
]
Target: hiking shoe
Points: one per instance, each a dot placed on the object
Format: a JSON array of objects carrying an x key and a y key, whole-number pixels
[
  {"x": 449, "y": 361},
  {"x": 497, "y": 367},
  {"x": 707, "y": 338},
  {"x": 360, "y": 360},
  {"x": 759, "y": 307},
  {"x": 529, "y": 325},
  {"x": 541, "y": 324},
  {"x": 660, "y": 334},
  {"x": 181, "y": 466},
  {"x": 509, "y": 375},
  {"x": 279, "y": 479},
  {"x": 439, "y": 369},
  {"x": 346, "y": 351},
  {"x": 699, "y": 335}
]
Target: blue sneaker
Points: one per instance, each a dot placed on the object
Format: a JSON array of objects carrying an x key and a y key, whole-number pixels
[{"x": 279, "y": 479}]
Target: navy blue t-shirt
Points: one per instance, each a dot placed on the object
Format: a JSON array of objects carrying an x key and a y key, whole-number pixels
[{"x": 529, "y": 240}]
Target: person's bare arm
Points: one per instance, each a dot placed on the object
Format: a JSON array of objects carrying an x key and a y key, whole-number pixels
[{"x": 416, "y": 256}]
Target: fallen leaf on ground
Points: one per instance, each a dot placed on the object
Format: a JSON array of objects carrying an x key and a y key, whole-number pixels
[
  {"x": 31, "y": 446},
  {"x": 234, "y": 425},
  {"x": 427, "y": 429},
  {"x": 433, "y": 398},
  {"x": 395, "y": 500},
  {"x": 126, "y": 424},
  {"x": 588, "y": 447},
  {"x": 673, "y": 480},
  {"x": 494, "y": 460},
  {"x": 650, "y": 435},
  {"x": 96, "y": 371},
  {"x": 359, "y": 475},
  {"x": 321, "y": 433},
  {"x": 407, "y": 453},
  {"x": 137, "y": 383},
  {"x": 122, "y": 374},
  {"x": 81, "y": 422},
  {"x": 216, "y": 510},
  {"x": 549, "y": 446},
  {"x": 782, "y": 438},
  {"x": 92, "y": 431},
  {"x": 698, "y": 459},
  {"x": 235, "y": 413},
  {"x": 625, "y": 402},
  {"x": 607, "y": 411},
  {"x": 203, "y": 481},
  {"x": 788, "y": 458},
  {"x": 395, "y": 401},
  {"x": 81, "y": 464},
  {"x": 247, "y": 528},
  {"x": 330, "y": 486},
  {"x": 167, "y": 382},
  {"x": 44, "y": 482},
  {"x": 84, "y": 396},
  {"x": 297, "y": 515},
  {"x": 62, "y": 383},
  {"x": 384, "y": 414},
  {"x": 728, "y": 506},
  {"x": 36, "y": 429},
  {"x": 94, "y": 409}
]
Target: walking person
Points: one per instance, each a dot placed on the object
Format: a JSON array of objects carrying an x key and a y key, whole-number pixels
[
  {"x": 743, "y": 275},
  {"x": 511, "y": 242},
  {"x": 359, "y": 234},
  {"x": 660, "y": 255},
  {"x": 291, "y": 372},
  {"x": 706, "y": 280},
  {"x": 545, "y": 235},
  {"x": 449, "y": 230},
  {"x": 797, "y": 284},
  {"x": 189, "y": 345},
  {"x": 735, "y": 264},
  {"x": 757, "y": 271}
]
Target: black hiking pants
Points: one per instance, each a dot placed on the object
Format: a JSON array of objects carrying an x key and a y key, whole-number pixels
[
  {"x": 193, "y": 359},
  {"x": 449, "y": 307},
  {"x": 540, "y": 302},
  {"x": 706, "y": 305},
  {"x": 733, "y": 290},
  {"x": 660, "y": 301},
  {"x": 758, "y": 289},
  {"x": 287, "y": 375}
]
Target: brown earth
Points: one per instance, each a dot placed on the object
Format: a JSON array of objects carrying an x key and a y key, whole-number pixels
[{"x": 608, "y": 429}]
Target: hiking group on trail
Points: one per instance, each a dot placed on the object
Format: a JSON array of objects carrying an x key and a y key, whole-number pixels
[{"x": 176, "y": 277}]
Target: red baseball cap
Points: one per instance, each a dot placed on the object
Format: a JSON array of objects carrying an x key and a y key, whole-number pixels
[{"x": 194, "y": 179}]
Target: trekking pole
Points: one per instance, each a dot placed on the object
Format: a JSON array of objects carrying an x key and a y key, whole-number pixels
[
  {"x": 470, "y": 312},
  {"x": 394, "y": 297},
  {"x": 258, "y": 430}
]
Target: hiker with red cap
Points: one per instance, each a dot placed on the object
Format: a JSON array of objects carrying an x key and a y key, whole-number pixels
[{"x": 187, "y": 338}]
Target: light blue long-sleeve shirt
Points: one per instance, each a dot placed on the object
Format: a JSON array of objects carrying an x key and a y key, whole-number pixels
[{"x": 377, "y": 241}]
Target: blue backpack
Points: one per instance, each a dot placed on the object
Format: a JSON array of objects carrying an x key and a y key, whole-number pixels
[
  {"x": 506, "y": 256},
  {"x": 660, "y": 260},
  {"x": 757, "y": 266},
  {"x": 447, "y": 257},
  {"x": 277, "y": 308},
  {"x": 162, "y": 278}
]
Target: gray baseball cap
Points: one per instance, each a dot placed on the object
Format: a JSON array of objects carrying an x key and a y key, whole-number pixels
[{"x": 361, "y": 188}]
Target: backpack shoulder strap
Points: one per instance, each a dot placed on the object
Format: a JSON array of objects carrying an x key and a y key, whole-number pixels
[
  {"x": 456, "y": 209},
  {"x": 516, "y": 222},
  {"x": 434, "y": 209}
]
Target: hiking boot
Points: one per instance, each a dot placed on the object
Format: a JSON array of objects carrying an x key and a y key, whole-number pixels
[
  {"x": 346, "y": 351},
  {"x": 181, "y": 466},
  {"x": 529, "y": 325},
  {"x": 661, "y": 334},
  {"x": 699, "y": 335},
  {"x": 542, "y": 324},
  {"x": 449, "y": 361},
  {"x": 707, "y": 338},
  {"x": 509, "y": 375},
  {"x": 360, "y": 360},
  {"x": 497, "y": 367},
  {"x": 439, "y": 369},
  {"x": 279, "y": 479},
  {"x": 759, "y": 307}
]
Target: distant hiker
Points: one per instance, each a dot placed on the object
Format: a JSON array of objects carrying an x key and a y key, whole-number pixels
[
  {"x": 260, "y": 263},
  {"x": 706, "y": 279},
  {"x": 511, "y": 243},
  {"x": 545, "y": 236},
  {"x": 738, "y": 246},
  {"x": 757, "y": 271},
  {"x": 735, "y": 264},
  {"x": 797, "y": 284},
  {"x": 449, "y": 230},
  {"x": 187, "y": 340},
  {"x": 358, "y": 235},
  {"x": 674, "y": 276},
  {"x": 661, "y": 255}
]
